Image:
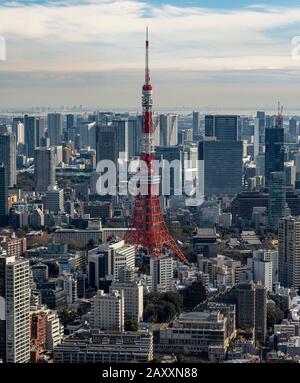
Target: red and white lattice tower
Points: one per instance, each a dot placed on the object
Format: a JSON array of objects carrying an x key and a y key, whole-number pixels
[{"x": 147, "y": 228}]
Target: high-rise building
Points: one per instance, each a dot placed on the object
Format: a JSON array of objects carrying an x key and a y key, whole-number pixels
[
  {"x": 277, "y": 199},
  {"x": 31, "y": 135},
  {"x": 261, "y": 116},
  {"x": 8, "y": 157},
  {"x": 121, "y": 124},
  {"x": 99, "y": 265},
  {"x": 107, "y": 143},
  {"x": 274, "y": 156},
  {"x": 54, "y": 199},
  {"x": 256, "y": 138},
  {"x": 293, "y": 128},
  {"x": 252, "y": 308},
  {"x": 289, "y": 252},
  {"x": 18, "y": 130},
  {"x": 70, "y": 121},
  {"x": 168, "y": 129},
  {"x": 224, "y": 128},
  {"x": 3, "y": 195},
  {"x": 123, "y": 256},
  {"x": 44, "y": 171},
  {"x": 14, "y": 309},
  {"x": 108, "y": 311},
  {"x": 223, "y": 167},
  {"x": 133, "y": 298},
  {"x": 196, "y": 125},
  {"x": 161, "y": 271},
  {"x": 55, "y": 128},
  {"x": 262, "y": 268},
  {"x": 134, "y": 136}
]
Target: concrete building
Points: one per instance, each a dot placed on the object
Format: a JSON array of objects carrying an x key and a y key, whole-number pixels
[
  {"x": 108, "y": 311},
  {"x": 54, "y": 200},
  {"x": 14, "y": 309},
  {"x": 55, "y": 330},
  {"x": 277, "y": 199},
  {"x": 70, "y": 287},
  {"x": 3, "y": 195},
  {"x": 199, "y": 331},
  {"x": 168, "y": 129},
  {"x": 44, "y": 170},
  {"x": 161, "y": 271},
  {"x": 289, "y": 252},
  {"x": 55, "y": 128},
  {"x": 252, "y": 308},
  {"x": 133, "y": 298},
  {"x": 123, "y": 256},
  {"x": 8, "y": 157},
  {"x": 106, "y": 347},
  {"x": 262, "y": 269}
]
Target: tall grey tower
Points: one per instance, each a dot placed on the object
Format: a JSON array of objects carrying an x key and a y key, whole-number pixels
[
  {"x": 8, "y": 157},
  {"x": 44, "y": 173},
  {"x": 55, "y": 128},
  {"x": 3, "y": 195}
]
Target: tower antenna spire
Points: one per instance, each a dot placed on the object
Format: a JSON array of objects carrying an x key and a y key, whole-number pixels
[{"x": 147, "y": 70}]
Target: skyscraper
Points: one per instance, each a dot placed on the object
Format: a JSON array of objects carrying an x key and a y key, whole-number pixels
[
  {"x": 44, "y": 171},
  {"x": 277, "y": 199},
  {"x": 196, "y": 125},
  {"x": 3, "y": 195},
  {"x": 134, "y": 136},
  {"x": 274, "y": 157},
  {"x": 31, "y": 135},
  {"x": 293, "y": 128},
  {"x": 107, "y": 143},
  {"x": 224, "y": 128},
  {"x": 8, "y": 157},
  {"x": 168, "y": 129},
  {"x": 223, "y": 167},
  {"x": 261, "y": 116},
  {"x": 289, "y": 252},
  {"x": 252, "y": 308},
  {"x": 14, "y": 309},
  {"x": 70, "y": 121},
  {"x": 55, "y": 128}
]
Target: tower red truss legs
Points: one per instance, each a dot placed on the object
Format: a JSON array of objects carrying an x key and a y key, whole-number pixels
[{"x": 147, "y": 227}]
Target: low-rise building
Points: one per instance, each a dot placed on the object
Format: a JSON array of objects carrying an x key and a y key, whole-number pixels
[{"x": 105, "y": 347}]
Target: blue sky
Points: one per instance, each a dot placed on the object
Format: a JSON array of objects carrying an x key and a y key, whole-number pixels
[{"x": 220, "y": 53}]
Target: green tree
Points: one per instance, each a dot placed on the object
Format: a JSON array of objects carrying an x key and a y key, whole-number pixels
[{"x": 131, "y": 325}]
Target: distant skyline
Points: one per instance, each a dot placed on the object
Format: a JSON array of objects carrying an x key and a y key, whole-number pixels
[{"x": 218, "y": 54}]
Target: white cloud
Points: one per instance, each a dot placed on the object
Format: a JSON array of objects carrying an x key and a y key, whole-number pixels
[{"x": 108, "y": 34}]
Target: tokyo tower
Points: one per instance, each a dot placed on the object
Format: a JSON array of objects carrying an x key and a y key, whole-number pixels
[{"x": 147, "y": 228}]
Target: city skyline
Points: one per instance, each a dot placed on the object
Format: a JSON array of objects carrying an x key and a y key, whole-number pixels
[{"x": 216, "y": 53}]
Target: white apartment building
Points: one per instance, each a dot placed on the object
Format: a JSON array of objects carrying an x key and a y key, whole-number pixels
[
  {"x": 133, "y": 298},
  {"x": 55, "y": 330},
  {"x": 15, "y": 308},
  {"x": 261, "y": 266},
  {"x": 161, "y": 271},
  {"x": 108, "y": 311},
  {"x": 123, "y": 256}
]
